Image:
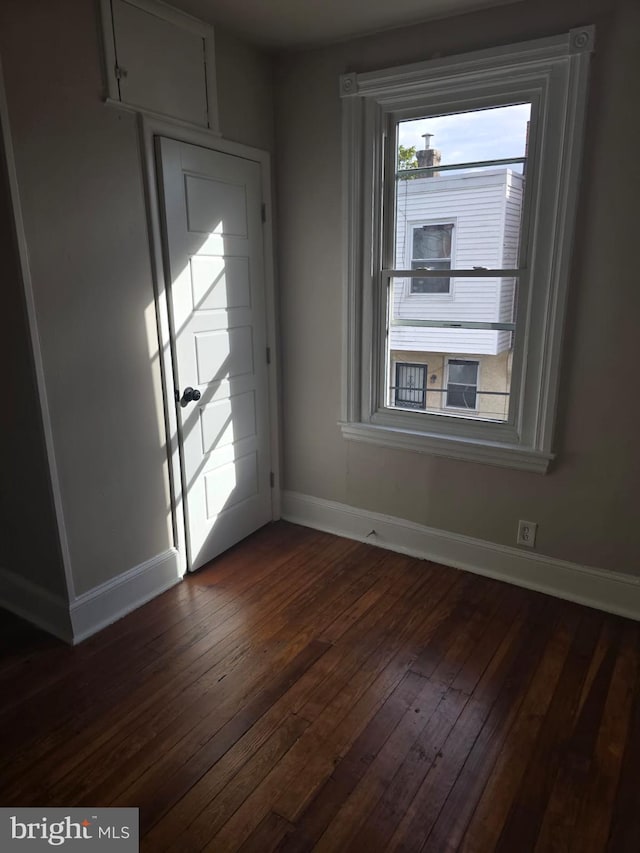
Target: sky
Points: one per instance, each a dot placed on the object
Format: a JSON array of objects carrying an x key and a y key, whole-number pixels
[{"x": 464, "y": 137}]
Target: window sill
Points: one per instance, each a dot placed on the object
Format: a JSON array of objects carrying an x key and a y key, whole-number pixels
[{"x": 472, "y": 450}]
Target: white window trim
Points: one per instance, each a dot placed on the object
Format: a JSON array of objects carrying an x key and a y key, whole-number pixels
[{"x": 551, "y": 73}]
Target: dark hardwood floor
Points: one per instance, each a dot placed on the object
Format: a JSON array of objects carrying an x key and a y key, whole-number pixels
[{"x": 306, "y": 692}]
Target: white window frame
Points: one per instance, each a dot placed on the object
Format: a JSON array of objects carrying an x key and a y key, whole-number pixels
[{"x": 551, "y": 74}]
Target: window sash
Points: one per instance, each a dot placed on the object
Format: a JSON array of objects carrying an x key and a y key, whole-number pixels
[
  {"x": 452, "y": 167},
  {"x": 388, "y": 131},
  {"x": 473, "y": 272},
  {"x": 455, "y": 324}
]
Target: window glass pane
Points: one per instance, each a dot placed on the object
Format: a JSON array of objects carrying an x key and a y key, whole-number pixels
[
  {"x": 463, "y": 371},
  {"x": 461, "y": 396},
  {"x": 471, "y": 216},
  {"x": 431, "y": 284},
  {"x": 492, "y": 134},
  {"x": 462, "y": 343},
  {"x": 432, "y": 241}
]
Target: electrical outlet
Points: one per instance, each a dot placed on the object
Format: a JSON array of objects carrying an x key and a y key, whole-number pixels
[{"x": 527, "y": 533}]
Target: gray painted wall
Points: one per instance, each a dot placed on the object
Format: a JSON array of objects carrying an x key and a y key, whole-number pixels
[
  {"x": 29, "y": 545},
  {"x": 81, "y": 190},
  {"x": 587, "y": 508},
  {"x": 81, "y": 187}
]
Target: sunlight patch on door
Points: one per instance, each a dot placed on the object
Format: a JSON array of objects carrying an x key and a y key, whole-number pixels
[
  {"x": 230, "y": 484},
  {"x": 228, "y": 421},
  {"x": 224, "y": 354},
  {"x": 218, "y": 283}
]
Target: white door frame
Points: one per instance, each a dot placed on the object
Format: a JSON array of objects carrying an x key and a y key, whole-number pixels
[{"x": 151, "y": 127}]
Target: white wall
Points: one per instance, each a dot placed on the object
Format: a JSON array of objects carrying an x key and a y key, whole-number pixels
[{"x": 587, "y": 506}]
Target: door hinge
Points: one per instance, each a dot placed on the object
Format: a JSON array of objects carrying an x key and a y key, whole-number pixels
[
  {"x": 268, "y": 355},
  {"x": 272, "y": 479},
  {"x": 121, "y": 73},
  {"x": 263, "y": 212}
]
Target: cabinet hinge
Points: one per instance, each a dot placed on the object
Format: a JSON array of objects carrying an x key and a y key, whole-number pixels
[
  {"x": 268, "y": 355},
  {"x": 272, "y": 479},
  {"x": 263, "y": 212}
]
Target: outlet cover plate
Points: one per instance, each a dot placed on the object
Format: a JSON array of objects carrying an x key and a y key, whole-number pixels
[{"x": 527, "y": 533}]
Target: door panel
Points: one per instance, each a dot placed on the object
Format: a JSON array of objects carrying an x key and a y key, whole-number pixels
[
  {"x": 224, "y": 354},
  {"x": 220, "y": 282},
  {"x": 213, "y": 233},
  {"x": 228, "y": 421},
  {"x": 211, "y": 202}
]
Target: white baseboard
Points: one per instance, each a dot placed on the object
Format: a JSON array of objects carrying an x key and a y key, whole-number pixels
[
  {"x": 611, "y": 591},
  {"x": 35, "y": 604},
  {"x": 104, "y": 604}
]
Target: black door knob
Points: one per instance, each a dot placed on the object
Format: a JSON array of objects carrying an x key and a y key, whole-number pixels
[{"x": 190, "y": 394}]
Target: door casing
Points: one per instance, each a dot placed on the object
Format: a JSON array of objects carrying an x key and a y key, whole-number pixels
[{"x": 150, "y": 128}]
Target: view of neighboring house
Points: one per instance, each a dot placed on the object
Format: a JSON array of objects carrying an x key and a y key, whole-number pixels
[{"x": 454, "y": 220}]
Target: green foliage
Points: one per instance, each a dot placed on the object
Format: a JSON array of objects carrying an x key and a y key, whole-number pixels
[{"x": 407, "y": 160}]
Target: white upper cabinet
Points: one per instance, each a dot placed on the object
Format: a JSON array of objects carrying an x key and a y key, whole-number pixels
[{"x": 160, "y": 60}]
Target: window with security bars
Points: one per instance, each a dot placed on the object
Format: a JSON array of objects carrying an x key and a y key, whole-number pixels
[{"x": 410, "y": 391}]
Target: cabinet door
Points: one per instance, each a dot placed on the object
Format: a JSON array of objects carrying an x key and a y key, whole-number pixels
[{"x": 163, "y": 61}]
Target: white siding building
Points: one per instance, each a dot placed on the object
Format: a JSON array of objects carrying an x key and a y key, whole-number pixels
[{"x": 446, "y": 222}]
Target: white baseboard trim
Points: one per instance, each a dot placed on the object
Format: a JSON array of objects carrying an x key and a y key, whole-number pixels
[
  {"x": 104, "y": 604},
  {"x": 613, "y": 592},
  {"x": 35, "y": 604}
]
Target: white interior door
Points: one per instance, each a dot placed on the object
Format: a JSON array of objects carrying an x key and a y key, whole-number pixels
[{"x": 212, "y": 206}]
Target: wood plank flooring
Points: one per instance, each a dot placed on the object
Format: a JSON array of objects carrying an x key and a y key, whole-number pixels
[{"x": 305, "y": 692}]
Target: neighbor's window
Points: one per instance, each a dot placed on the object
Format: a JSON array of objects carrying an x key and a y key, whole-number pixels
[
  {"x": 411, "y": 386},
  {"x": 462, "y": 384},
  {"x": 431, "y": 250},
  {"x": 458, "y": 236}
]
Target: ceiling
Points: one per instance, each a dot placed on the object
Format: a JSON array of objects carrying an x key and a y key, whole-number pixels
[{"x": 289, "y": 23}]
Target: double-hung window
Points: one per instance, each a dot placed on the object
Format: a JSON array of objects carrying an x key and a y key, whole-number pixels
[
  {"x": 431, "y": 250},
  {"x": 462, "y": 384},
  {"x": 461, "y": 178}
]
